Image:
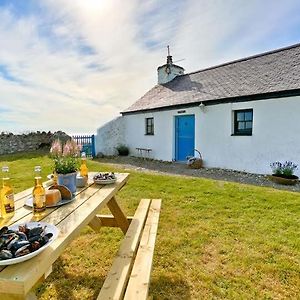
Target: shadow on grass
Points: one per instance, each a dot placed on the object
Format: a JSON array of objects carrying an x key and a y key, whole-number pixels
[
  {"x": 169, "y": 288},
  {"x": 66, "y": 284}
]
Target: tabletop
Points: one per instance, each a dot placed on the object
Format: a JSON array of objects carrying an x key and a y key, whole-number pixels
[{"x": 18, "y": 279}]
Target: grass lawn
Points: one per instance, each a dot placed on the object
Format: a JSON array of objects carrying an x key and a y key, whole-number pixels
[{"x": 216, "y": 240}]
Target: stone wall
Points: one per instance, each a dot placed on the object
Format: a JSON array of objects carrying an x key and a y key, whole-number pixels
[
  {"x": 12, "y": 143},
  {"x": 109, "y": 136}
]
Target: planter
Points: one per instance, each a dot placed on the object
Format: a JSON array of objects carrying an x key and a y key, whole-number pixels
[
  {"x": 195, "y": 162},
  {"x": 68, "y": 180},
  {"x": 283, "y": 180}
]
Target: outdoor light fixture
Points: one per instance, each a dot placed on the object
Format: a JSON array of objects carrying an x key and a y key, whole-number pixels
[{"x": 202, "y": 107}]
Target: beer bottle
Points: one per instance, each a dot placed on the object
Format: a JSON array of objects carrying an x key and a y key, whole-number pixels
[
  {"x": 6, "y": 195},
  {"x": 38, "y": 194},
  {"x": 83, "y": 168}
]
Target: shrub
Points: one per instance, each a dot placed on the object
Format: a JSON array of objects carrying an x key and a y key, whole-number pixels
[
  {"x": 285, "y": 169},
  {"x": 122, "y": 150}
]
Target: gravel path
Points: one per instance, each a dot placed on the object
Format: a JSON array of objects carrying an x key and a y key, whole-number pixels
[{"x": 173, "y": 168}]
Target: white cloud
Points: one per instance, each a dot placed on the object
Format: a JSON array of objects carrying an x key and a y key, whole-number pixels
[{"x": 77, "y": 64}]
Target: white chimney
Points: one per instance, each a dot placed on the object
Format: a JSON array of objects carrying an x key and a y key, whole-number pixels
[{"x": 168, "y": 71}]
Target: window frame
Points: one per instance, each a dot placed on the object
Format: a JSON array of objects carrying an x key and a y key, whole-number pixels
[
  {"x": 242, "y": 132},
  {"x": 149, "y": 127}
]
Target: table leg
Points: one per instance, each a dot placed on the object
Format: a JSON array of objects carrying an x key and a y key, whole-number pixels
[
  {"x": 96, "y": 224},
  {"x": 118, "y": 214}
]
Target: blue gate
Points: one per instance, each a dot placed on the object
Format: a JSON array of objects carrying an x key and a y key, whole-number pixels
[
  {"x": 87, "y": 142},
  {"x": 184, "y": 137}
]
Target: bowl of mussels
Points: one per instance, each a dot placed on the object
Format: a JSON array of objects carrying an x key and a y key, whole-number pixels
[
  {"x": 21, "y": 242},
  {"x": 105, "y": 178}
]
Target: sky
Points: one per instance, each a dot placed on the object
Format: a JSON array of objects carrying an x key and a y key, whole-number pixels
[{"x": 73, "y": 65}]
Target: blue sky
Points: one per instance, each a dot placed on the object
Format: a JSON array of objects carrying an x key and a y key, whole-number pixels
[{"x": 74, "y": 65}]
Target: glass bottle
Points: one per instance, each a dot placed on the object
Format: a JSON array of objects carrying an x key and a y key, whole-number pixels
[
  {"x": 38, "y": 194},
  {"x": 54, "y": 178},
  {"x": 6, "y": 195},
  {"x": 83, "y": 168}
]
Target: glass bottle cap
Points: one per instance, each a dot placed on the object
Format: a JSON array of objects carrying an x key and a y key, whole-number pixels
[
  {"x": 37, "y": 168},
  {"x": 5, "y": 169}
]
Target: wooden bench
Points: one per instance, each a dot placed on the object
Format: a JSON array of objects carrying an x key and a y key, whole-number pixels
[
  {"x": 129, "y": 276},
  {"x": 146, "y": 151}
]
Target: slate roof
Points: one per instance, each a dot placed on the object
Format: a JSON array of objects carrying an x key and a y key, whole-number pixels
[{"x": 266, "y": 73}]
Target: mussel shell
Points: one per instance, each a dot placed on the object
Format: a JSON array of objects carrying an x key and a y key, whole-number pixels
[
  {"x": 35, "y": 246},
  {"x": 5, "y": 254},
  {"x": 22, "y": 236},
  {"x": 6, "y": 238},
  {"x": 3, "y": 230},
  {"x": 17, "y": 245},
  {"x": 35, "y": 231},
  {"x": 23, "y": 250},
  {"x": 34, "y": 238},
  {"x": 45, "y": 239},
  {"x": 23, "y": 228}
]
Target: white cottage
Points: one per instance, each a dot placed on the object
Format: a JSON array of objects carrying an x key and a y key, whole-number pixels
[{"x": 241, "y": 115}]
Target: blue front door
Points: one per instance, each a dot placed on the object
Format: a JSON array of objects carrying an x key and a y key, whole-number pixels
[{"x": 184, "y": 137}]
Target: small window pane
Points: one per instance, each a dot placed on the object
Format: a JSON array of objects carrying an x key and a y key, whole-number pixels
[
  {"x": 241, "y": 125},
  {"x": 149, "y": 130},
  {"x": 240, "y": 116},
  {"x": 248, "y": 125},
  {"x": 248, "y": 116}
]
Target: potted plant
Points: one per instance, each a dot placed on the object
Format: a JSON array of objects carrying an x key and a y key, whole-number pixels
[
  {"x": 283, "y": 173},
  {"x": 66, "y": 162}
]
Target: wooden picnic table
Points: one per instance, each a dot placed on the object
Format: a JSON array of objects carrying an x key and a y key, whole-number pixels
[{"x": 17, "y": 281}]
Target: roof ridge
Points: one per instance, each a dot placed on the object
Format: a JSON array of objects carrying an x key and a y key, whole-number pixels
[{"x": 245, "y": 58}]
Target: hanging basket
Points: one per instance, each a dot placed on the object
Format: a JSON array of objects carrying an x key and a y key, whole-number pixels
[{"x": 195, "y": 162}]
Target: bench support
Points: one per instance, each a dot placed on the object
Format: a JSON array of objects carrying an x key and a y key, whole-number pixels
[
  {"x": 105, "y": 221},
  {"x": 144, "y": 150}
]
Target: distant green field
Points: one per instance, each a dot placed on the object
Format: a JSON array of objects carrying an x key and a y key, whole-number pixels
[{"x": 216, "y": 240}]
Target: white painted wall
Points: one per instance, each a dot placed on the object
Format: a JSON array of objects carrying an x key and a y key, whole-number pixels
[
  {"x": 110, "y": 135},
  {"x": 162, "y": 142},
  {"x": 276, "y": 134}
]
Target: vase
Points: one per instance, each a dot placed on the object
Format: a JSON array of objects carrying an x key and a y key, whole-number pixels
[
  {"x": 68, "y": 180},
  {"x": 283, "y": 180}
]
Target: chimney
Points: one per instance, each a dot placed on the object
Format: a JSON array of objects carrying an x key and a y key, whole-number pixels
[{"x": 168, "y": 71}]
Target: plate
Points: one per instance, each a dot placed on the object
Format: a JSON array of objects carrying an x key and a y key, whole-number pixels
[
  {"x": 49, "y": 229},
  {"x": 106, "y": 181},
  {"x": 29, "y": 202}
]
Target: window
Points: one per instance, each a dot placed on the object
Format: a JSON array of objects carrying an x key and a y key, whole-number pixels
[
  {"x": 149, "y": 126},
  {"x": 243, "y": 120}
]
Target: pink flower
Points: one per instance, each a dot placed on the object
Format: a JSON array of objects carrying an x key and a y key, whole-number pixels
[
  {"x": 56, "y": 148},
  {"x": 71, "y": 149},
  {"x": 67, "y": 149},
  {"x": 65, "y": 157}
]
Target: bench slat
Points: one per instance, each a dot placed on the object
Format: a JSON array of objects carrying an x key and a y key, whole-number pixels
[
  {"x": 117, "y": 278},
  {"x": 139, "y": 281}
]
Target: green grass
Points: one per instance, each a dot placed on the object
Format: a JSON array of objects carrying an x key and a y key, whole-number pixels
[{"x": 216, "y": 240}]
